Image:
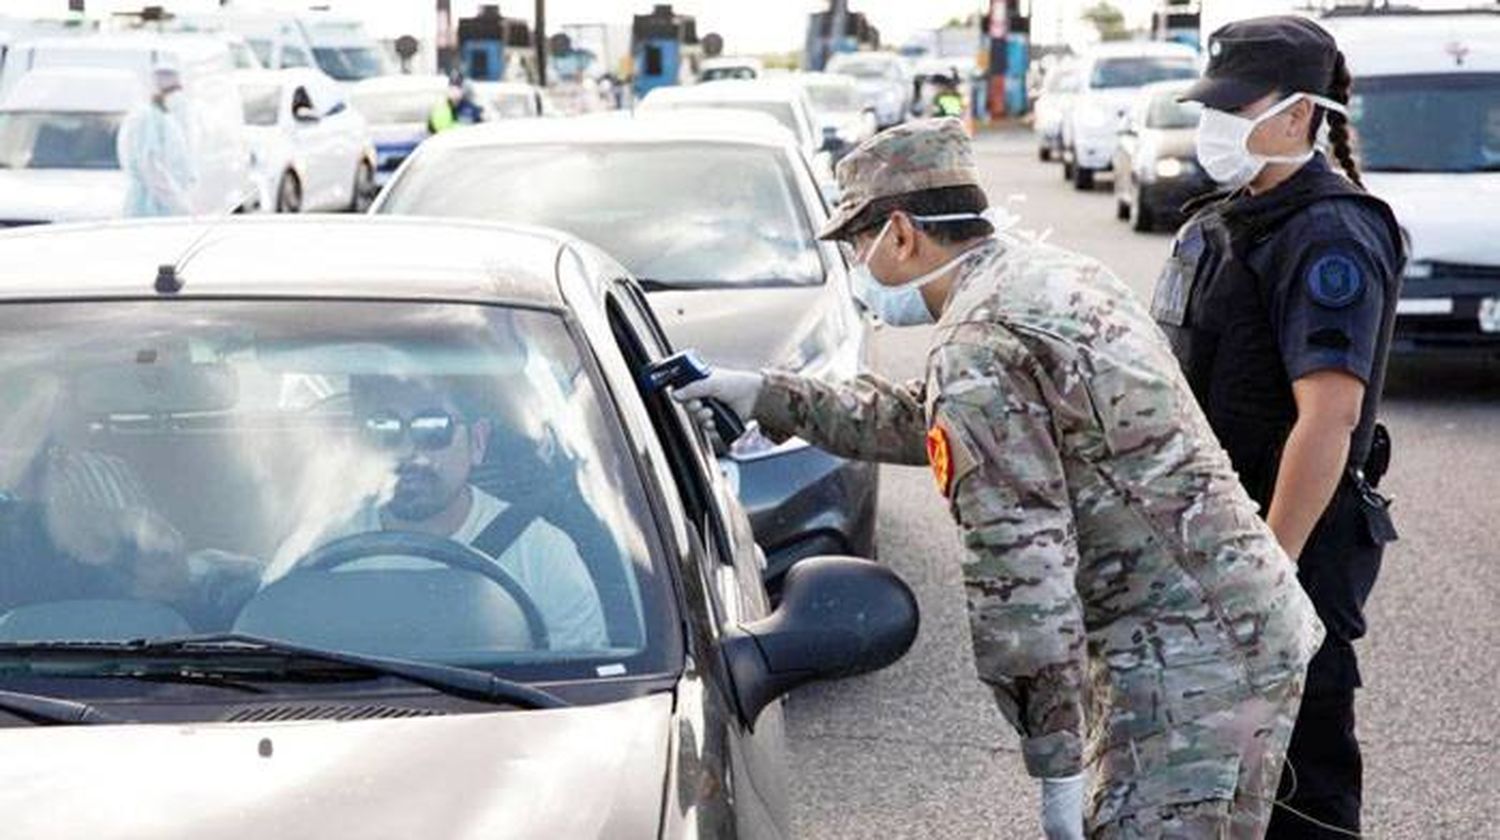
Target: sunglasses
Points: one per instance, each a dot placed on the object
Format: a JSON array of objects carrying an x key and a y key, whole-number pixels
[{"x": 430, "y": 430}]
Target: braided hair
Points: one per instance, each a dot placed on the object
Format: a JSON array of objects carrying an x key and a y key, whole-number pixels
[{"x": 1338, "y": 124}]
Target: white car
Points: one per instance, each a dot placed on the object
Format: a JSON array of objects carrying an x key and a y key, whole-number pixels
[
  {"x": 731, "y": 67},
  {"x": 781, "y": 99},
  {"x": 311, "y": 151},
  {"x": 397, "y": 108},
  {"x": 841, "y": 114},
  {"x": 513, "y": 100},
  {"x": 1426, "y": 112},
  {"x": 60, "y": 120},
  {"x": 884, "y": 81},
  {"x": 1110, "y": 76},
  {"x": 1051, "y": 108}
]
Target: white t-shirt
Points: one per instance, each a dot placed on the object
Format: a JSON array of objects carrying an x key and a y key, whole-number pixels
[{"x": 542, "y": 559}]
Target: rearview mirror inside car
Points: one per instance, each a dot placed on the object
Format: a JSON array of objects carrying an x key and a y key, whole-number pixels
[{"x": 838, "y": 617}]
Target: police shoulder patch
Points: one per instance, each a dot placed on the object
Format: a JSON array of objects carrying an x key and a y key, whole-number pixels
[{"x": 1335, "y": 281}]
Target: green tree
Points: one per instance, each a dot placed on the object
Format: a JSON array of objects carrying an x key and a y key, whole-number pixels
[{"x": 1108, "y": 19}]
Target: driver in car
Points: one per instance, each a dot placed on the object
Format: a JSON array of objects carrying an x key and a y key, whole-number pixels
[{"x": 435, "y": 438}]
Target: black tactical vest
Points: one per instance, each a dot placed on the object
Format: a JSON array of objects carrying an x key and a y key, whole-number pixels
[{"x": 1215, "y": 311}]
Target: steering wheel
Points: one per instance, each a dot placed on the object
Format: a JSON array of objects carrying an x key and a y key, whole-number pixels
[{"x": 454, "y": 555}]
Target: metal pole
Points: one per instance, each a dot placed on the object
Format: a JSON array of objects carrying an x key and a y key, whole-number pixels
[
  {"x": 838, "y": 19},
  {"x": 541, "y": 42}
]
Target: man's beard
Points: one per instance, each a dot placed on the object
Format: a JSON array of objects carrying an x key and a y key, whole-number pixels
[{"x": 419, "y": 495}]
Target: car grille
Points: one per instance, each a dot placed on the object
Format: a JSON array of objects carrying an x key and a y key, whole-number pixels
[
  {"x": 274, "y": 714},
  {"x": 1464, "y": 271}
]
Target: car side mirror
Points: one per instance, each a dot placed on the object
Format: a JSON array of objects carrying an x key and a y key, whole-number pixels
[
  {"x": 305, "y": 114},
  {"x": 838, "y": 617},
  {"x": 832, "y": 142}
]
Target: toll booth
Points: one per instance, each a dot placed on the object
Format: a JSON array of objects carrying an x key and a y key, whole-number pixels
[
  {"x": 486, "y": 41},
  {"x": 1178, "y": 21},
  {"x": 664, "y": 48},
  {"x": 823, "y": 42},
  {"x": 1008, "y": 32}
]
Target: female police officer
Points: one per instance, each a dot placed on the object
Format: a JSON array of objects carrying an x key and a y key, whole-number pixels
[
  {"x": 1129, "y": 611},
  {"x": 1279, "y": 300}
]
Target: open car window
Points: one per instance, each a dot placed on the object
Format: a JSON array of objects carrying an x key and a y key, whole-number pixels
[{"x": 195, "y": 467}]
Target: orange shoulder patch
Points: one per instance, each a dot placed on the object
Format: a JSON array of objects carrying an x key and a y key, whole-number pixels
[{"x": 940, "y": 457}]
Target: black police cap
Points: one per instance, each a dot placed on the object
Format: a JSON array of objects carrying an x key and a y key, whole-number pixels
[{"x": 1249, "y": 59}]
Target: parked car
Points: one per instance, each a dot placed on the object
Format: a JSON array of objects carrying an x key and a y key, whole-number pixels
[
  {"x": 1110, "y": 76},
  {"x": 884, "y": 82},
  {"x": 60, "y": 120},
  {"x": 731, "y": 67},
  {"x": 213, "y": 422},
  {"x": 396, "y": 109},
  {"x": 1051, "y": 108},
  {"x": 840, "y": 112},
  {"x": 311, "y": 150},
  {"x": 717, "y": 215},
  {"x": 1426, "y": 112},
  {"x": 782, "y": 99},
  {"x": 1156, "y": 168},
  {"x": 513, "y": 100}
]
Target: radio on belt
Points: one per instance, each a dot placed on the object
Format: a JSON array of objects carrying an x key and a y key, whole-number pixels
[{"x": 683, "y": 368}]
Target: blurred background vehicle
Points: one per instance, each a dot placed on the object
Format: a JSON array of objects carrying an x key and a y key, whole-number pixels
[
  {"x": 781, "y": 99},
  {"x": 932, "y": 77},
  {"x": 840, "y": 111},
  {"x": 716, "y": 214},
  {"x": 338, "y": 46},
  {"x": 884, "y": 83},
  {"x": 62, "y": 101},
  {"x": 1110, "y": 75},
  {"x": 1156, "y": 166},
  {"x": 1426, "y": 119},
  {"x": 311, "y": 151},
  {"x": 1058, "y": 88},
  {"x": 513, "y": 100},
  {"x": 731, "y": 67},
  {"x": 396, "y": 109}
]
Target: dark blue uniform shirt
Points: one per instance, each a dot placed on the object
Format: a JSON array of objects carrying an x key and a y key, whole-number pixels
[{"x": 1329, "y": 268}]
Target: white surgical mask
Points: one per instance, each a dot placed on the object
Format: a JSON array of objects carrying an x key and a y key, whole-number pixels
[
  {"x": 903, "y": 305},
  {"x": 172, "y": 102},
  {"x": 1223, "y": 141}
]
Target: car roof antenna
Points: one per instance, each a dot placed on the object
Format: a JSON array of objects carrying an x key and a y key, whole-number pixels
[{"x": 169, "y": 275}]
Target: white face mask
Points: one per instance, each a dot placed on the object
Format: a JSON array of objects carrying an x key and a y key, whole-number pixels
[
  {"x": 903, "y": 305},
  {"x": 1223, "y": 141},
  {"x": 172, "y": 102}
]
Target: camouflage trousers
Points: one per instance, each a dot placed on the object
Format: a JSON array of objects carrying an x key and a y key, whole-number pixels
[{"x": 1244, "y": 746}]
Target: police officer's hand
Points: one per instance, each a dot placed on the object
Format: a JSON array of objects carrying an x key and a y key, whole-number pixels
[
  {"x": 1062, "y": 808},
  {"x": 737, "y": 389}
]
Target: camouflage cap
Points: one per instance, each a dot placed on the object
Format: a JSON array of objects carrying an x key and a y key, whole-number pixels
[{"x": 916, "y": 156}]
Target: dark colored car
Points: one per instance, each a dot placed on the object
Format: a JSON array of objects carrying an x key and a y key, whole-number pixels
[
  {"x": 1156, "y": 168},
  {"x": 716, "y": 213},
  {"x": 214, "y": 623}
]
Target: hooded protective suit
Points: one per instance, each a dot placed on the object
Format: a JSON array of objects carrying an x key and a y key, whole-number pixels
[{"x": 155, "y": 156}]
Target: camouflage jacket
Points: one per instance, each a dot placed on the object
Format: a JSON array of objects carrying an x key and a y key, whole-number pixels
[{"x": 1120, "y": 583}]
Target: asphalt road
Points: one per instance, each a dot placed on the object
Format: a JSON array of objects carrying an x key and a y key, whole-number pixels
[{"x": 919, "y": 751}]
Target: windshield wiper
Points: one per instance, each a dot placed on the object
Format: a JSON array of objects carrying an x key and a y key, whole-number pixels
[
  {"x": 39, "y": 708},
  {"x": 468, "y": 683},
  {"x": 649, "y": 285}
]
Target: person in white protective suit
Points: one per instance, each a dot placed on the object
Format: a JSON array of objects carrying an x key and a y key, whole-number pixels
[{"x": 154, "y": 152}]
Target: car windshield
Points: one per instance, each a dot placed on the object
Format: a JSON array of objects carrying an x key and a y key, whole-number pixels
[
  {"x": 282, "y": 470},
  {"x": 512, "y": 105},
  {"x": 262, "y": 49},
  {"x": 1466, "y": 105},
  {"x": 58, "y": 140},
  {"x": 1167, "y": 112},
  {"x": 689, "y": 215},
  {"x": 349, "y": 64},
  {"x": 714, "y": 74},
  {"x": 833, "y": 97},
  {"x": 1062, "y": 80},
  {"x": 1137, "y": 71},
  {"x": 864, "y": 69},
  {"x": 394, "y": 107},
  {"x": 244, "y": 58},
  {"x": 262, "y": 103}
]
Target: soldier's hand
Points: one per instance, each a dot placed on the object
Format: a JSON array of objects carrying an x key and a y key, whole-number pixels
[
  {"x": 737, "y": 389},
  {"x": 1062, "y": 808}
]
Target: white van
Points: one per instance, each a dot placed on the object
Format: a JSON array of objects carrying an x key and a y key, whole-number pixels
[
  {"x": 1426, "y": 114},
  {"x": 61, "y": 104},
  {"x": 1109, "y": 77},
  {"x": 340, "y": 47}
]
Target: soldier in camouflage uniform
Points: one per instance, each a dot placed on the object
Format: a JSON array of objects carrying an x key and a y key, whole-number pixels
[{"x": 1131, "y": 613}]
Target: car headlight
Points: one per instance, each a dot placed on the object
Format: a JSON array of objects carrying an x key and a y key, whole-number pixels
[
  {"x": 1169, "y": 168},
  {"x": 1418, "y": 270}
]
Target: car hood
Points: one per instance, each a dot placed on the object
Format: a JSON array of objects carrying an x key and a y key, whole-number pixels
[
  {"x": 584, "y": 772},
  {"x": 742, "y": 328},
  {"x": 1450, "y": 218},
  {"x": 61, "y": 195}
]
